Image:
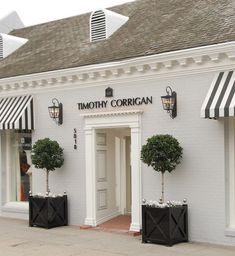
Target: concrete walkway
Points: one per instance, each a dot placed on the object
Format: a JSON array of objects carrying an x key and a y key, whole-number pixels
[{"x": 17, "y": 239}]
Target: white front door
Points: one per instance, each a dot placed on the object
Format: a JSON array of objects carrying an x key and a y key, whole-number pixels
[{"x": 105, "y": 176}]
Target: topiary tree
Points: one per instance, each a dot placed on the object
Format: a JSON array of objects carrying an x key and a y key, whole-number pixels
[
  {"x": 47, "y": 155},
  {"x": 163, "y": 153}
]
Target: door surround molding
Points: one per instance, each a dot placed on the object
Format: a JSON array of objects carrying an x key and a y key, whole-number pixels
[{"x": 118, "y": 119}]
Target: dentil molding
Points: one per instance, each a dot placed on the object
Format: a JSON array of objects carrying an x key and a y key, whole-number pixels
[{"x": 183, "y": 62}]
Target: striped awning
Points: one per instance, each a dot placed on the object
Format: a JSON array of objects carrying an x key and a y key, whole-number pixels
[
  {"x": 17, "y": 113},
  {"x": 220, "y": 99}
]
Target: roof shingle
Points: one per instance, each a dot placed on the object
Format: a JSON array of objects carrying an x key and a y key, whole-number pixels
[{"x": 154, "y": 26}]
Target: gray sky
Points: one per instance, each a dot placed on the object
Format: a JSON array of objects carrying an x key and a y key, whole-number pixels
[{"x": 34, "y": 12}]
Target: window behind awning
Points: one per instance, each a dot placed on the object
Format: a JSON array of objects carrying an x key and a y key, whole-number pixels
[
  {"x": 17, "y": 113},
  {"x": 220, "y": 99}
]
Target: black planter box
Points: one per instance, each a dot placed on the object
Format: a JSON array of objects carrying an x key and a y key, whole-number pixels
[
  {"x": 168, "y": 225},
  {"x": 48, "y": 212}
]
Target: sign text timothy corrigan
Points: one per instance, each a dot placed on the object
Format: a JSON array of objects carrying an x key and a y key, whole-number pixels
[{"x": 115, "y": 103}]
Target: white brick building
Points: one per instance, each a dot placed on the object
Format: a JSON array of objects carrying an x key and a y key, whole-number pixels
[{"x": 186, "y": 46}]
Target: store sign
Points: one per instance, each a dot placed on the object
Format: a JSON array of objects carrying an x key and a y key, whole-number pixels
[{"x": 115, "y": 103}]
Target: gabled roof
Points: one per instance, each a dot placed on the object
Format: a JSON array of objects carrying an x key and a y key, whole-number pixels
[{"x": 154, "y": 26}]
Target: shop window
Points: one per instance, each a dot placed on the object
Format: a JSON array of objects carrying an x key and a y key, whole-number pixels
[
  {"x": 18, "y": 165},
  {"x": 230, "y": 174}
]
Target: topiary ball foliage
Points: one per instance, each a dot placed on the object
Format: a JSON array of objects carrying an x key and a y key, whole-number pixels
[
  {"x": 162, "y": 152},
  {"x": 47, "y": 154}
]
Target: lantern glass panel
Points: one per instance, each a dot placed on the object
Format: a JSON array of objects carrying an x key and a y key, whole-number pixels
[
  {"x": 172, "y": 103},
  {"x": 54, "y": 111},
  {"x": 168, "y": 102}
]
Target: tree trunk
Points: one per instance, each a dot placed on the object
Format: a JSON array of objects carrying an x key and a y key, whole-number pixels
[
  {"x": 162, "y": 187},
  {"x": 47, "y": 182}
]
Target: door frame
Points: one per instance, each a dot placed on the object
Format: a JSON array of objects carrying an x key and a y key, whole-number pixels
[
  {"x": 121, "y": 152},
  {"x": 102, "y": 120}
]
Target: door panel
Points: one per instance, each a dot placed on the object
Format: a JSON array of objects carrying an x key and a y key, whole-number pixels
[
  {"x": 101, "y": 164},
  {"x": 105, "y": 174}
]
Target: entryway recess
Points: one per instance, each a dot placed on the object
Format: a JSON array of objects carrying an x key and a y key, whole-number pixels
[{"x": 113, "y": 167}]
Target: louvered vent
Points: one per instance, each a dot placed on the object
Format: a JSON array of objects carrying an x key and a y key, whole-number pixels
[
  {"x": 103, "y": 23},
  {"x": 98, "y": 26},
  {"x": 1, "y": 47}
]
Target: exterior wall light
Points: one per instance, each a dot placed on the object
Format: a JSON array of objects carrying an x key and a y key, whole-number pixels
[
  {"x": 56, "y": 111},
  {"x": 169, "y": 102}
]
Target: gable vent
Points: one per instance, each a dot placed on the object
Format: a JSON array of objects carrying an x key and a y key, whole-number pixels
[
  {"x": 1, "y": 47},
  {"x": 9, "y": 44},
  {"x": 98, "y": 26},
  {"x": 103, "y": 23}
]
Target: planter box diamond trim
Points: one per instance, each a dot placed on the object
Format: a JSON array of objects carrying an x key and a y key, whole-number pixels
[
  {"x": 167, "y": 225},
  {"x": 48, "y": 212}
]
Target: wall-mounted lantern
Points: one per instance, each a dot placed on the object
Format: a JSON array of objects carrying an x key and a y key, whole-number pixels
[
  {"x": 56, "y": 111},
  {"x": 169, "y": 102}
]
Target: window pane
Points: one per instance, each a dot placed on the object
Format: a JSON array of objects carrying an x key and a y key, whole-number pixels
[{"x": 21, "y": 165}]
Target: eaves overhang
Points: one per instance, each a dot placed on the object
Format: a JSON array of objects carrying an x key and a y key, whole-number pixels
[{"x": 182, "y": 62}]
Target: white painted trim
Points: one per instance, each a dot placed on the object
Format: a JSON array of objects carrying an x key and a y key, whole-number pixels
[
  {"x": 18, "y": 210},
  {"x": 132, "y": 120},
  {"x": 136, "y": 227},
  {"x": 16, "y": 207},
  {"x": 136, "y": 179},
  {"x": 113, "y": 113},
  {"x": 90, "y": 177},
  {"x": 120, "y": 171},
  {"x": 123, "y": 190},
  {"x": 118, "y": 190},
  {"x": 177, "y": 63}
]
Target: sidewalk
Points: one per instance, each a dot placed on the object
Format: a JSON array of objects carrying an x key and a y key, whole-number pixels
[{"x": 17, "y": 239}]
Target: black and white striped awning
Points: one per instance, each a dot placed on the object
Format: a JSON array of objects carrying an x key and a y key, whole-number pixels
[
  {"x": 220, "y": 99},
  {"x": 17, "y": 113}
]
